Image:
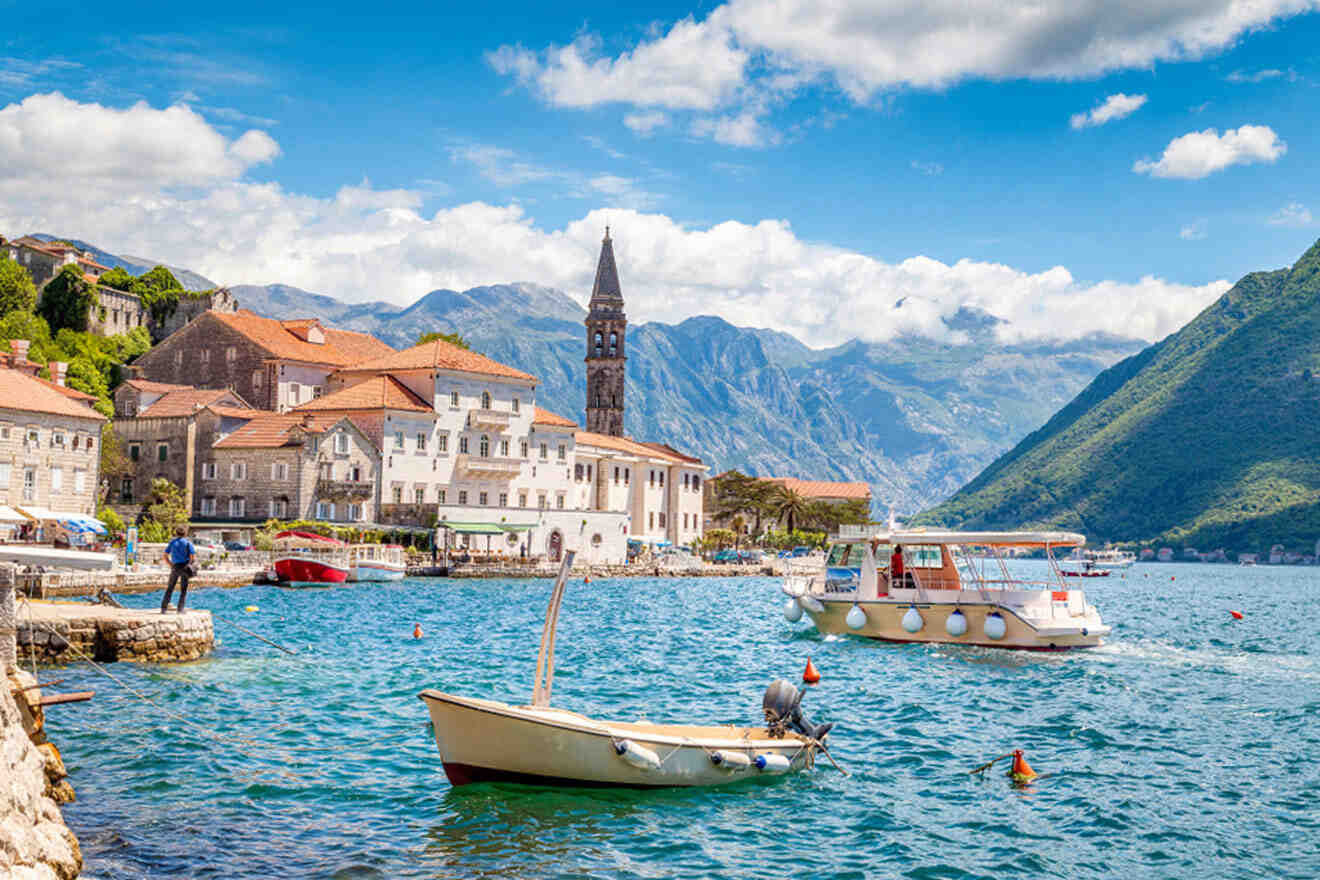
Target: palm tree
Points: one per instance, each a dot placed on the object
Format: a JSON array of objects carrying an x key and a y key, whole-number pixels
[{"x": 789, "y": 504}]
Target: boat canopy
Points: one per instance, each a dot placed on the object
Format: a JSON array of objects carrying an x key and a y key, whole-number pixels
[
  {"x": 865, "y": 534},
  {"x": 291, "y": 539}
]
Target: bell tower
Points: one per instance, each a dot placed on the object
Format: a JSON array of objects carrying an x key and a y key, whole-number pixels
[{"x": 605, "y": 340}]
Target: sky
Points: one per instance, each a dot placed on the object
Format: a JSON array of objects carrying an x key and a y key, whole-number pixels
[{"x": 834, "y": 169}]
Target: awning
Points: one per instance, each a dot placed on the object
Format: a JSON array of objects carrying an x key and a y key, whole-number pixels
[
  {"x": 8, "y": 514},
  {"x": 81, "y": 522},
  {"x": 40, "y": 514},
  {"x": 470, "y": 528}
]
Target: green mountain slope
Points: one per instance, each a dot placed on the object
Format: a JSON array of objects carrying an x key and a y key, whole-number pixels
[{"x": 1210, "y": 438}]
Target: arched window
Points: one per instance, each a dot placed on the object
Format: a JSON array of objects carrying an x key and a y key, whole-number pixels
[
  {"x": 614, "y": 344},
  {"x": 600, "y": 345},
  {"x": 485, "y": 400},
  {"x": 484, "y": 446}
]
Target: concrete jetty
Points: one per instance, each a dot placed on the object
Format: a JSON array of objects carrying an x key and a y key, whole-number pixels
[{"x": 62, "y": 632}]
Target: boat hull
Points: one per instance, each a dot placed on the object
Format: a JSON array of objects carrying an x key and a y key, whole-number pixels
[
  {"x": 486, "y": 741},
  {"x": 309, "y": 572},
  {"x": 375, "y": 571},
  {"x": 884, "y": 620}
]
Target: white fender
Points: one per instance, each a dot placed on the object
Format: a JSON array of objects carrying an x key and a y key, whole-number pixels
[
  {"x": 811, "y": 603},
  {"x": 995, "y": 627},
  {"x": 856, "y": 618},
  {"x": 912, "y": 621},
  {"x": 956, "y": 623},
  {"x": 638, "y": 756},
  {"x": 731, "y": 761},
  {"x": 794, "y": 586},
  {"x": 792, "y": 611},
  {"x": 769, "y": 762}
]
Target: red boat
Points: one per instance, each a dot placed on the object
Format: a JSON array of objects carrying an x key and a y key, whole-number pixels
[{"x": 304, "y": 559}]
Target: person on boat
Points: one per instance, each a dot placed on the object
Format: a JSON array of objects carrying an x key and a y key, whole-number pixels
[
  {"x": 179, "y": 554},
  {"x": 896, "y": 567}
]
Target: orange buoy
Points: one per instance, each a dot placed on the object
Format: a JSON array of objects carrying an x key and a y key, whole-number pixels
[
  {"x": 1021, "y": 771},
  {"x": 587, "y": 579},
  {"x": 810, "y": 675},
  {"x": 417, "y": 630},
  {"x": 1237, "y": 615}
]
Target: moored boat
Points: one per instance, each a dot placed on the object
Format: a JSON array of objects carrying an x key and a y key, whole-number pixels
[
  {"x": 487, "y": 741},
  {"x": 306, "y": 559},
  {"x": 944, "y": 586},
  {"x": 376, "y": 562}
]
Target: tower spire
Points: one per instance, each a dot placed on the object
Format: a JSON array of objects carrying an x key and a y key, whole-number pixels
[{"x": 606, "y": 326}]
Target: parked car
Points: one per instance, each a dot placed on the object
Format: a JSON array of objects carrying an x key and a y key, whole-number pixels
[
  {"x": 207, "y": 546},
  {"x": 237, "y": 545},
  {"x": 750, "y": 556}
]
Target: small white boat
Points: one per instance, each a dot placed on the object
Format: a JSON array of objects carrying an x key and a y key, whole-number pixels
[
  {"x": 51, "y": 557},
  {"x": 486, "y": 741},
  {"x": 376, "y": 562}
]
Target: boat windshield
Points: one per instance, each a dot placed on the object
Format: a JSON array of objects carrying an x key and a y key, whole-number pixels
[{"x": 851, "y": 555}]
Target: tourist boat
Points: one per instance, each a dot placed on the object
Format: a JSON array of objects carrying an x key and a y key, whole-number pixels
[
  {"x": 376, "y": 562},
  {"x": 1087, "y": 560},
  {"x": 306, "y": 559},
  {"x": 956, "y": 588},
  {"x": 1082, "y": 568},
  {"x": 487, "y": 741}
]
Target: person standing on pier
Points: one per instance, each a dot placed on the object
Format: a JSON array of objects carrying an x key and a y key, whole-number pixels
[{"x": 179, "y": 554}]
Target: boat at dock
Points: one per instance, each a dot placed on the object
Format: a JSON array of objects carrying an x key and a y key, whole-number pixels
[
  {"x": 306, "y": 559},
  {"x": 943, "y": 586},
  {"x": 376, "y": 562},
  {"x": 487, "y": 741}
]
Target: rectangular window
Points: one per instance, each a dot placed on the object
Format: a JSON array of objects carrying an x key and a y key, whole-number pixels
[
  {"x": 440, "y": 496},
  {"x": 563, "y": 452},
  {"x": 238, "y": 470},
  {"x": 208, "y": 470},
  {"x": 398, "y": 439},
  {"x": 90, "y": 442},
  {"x": 162, "y": 451},
  {"x": 504, "y": 499},
  {"x": 206, "y": 357},
  {"x": 685, "y": 516},
  {"x": 515, "y": 404},
  {"x": 325, "y": 470},
  {"x": 462, "y": 496},
  {"x": 421, "y": 442},
  {"x": 256, "y": 379},
  {"x": 627, "y": 475},
  {"x": 588, "y": 473},
  {"x": 685, "y": 481},
  {"x": 355, "y": 512},
  {"x": 662, "y": 519},
  {"x": 559, "y": 501},
  {"x": 482, "y": 499},
  {"x": 56, "y": 480},
  {"x": 279, "y": 508},
  {"x": 236, "y": 506},
  {"x": 79, "y": 480},
  {"x": 442, "y": 443},
  {"x": 419, "y": 495},
  {"x": 279, "y": 471},
  {"x": 57, "y": 439},
  {"x": 662, "y": 479},
  {"x": 76, "y": 438},
  {"x": 4, "y": 475},
  {"x": 355, "y": 473},
  {"x": 295, "y": 392},
  {"x": 522, "y": 446},
  {"x": 522, "y": 499},
  {"x": 650, "y": 479},
  {"x": 616, "y": 476},
  {"x": 540, "y": 500},
  {"x": 208, "y": 506},
  {"x": 650, "y": 520},
  {"x": 696, "y": 483},
  {"x": 545, "y": 452},
  {"x": 504, "y": 448},
  {"x": 453, "y": 400},
  {"x": 577, "y": 473},
  {"x": 922, "y": 556},
  {"x": 341, "y": 443},
  {"x": 316, "y": 391},
  {"x": 463, "y": 445},
  {"x": 34, "y": 438},
  {"x": 396, "y": 492},
  {"x": 125, "y": 490},
  {"x": 230, "y": 354}
]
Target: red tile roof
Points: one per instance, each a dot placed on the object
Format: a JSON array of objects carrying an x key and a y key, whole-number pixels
[
  {"x": 341, "y": 348},
  {"x": 158, "y": 387},
  {"x": 188, "y": 401},
  {"x": 441, "y": 355},
  {"x": 384, "y": 392},
  {"x": 19, "y": 391},
  {"x": 273, "y": 430},
  {"x": 822, "y": 488},
  {"x": 633, "y": 447},
  {"x": 545, "y": 417},
  {"x": 71, "y": 393}
]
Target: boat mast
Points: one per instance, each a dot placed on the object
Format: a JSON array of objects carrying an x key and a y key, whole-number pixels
[{"x": 545, "y": 658}]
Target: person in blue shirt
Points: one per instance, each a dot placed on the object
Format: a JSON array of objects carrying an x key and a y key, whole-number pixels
[{"x": 179, "y": 555}]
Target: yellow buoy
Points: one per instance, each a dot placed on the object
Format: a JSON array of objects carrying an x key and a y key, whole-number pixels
[{"x": 249, "y": 609}]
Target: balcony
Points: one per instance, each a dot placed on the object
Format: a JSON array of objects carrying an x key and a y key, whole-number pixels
[
  {"x": 487, "y": 468},
  {"x": 495, "y": 419},
  {"x": 339, "y": 490}
]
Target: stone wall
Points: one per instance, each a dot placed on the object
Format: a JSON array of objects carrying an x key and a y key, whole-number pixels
[
  {"x": 193, "y": 304},
  {"x": 116, "y": 311},
  {"x": 108, "y": 634},
  {"x": 77, "y": 453},
  {"x": 200, "y": 354},
  {"x": 141, "y": 440}
]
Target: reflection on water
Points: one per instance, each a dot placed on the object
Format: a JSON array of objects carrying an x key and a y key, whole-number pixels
[{"x": 1171, "y": 752}]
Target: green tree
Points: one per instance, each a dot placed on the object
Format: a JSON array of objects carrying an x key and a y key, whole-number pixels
[
  {"x": 163, "y": 511},
  {"x": 451, "y": 338},
  {"x": 17, "y": 293},
  {"x": 115, "y": 464},
  {"x": 118, "y": 278},
  {"x": 112, "y": 521},
  {"x": 66, "y": 300},
  {"x": 789, "y": 505}
]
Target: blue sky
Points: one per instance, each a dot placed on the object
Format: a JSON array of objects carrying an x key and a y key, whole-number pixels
[{"x": 895, "y": 132}]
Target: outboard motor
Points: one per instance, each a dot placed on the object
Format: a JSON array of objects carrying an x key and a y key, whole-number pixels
[{"x": 782, "y": 705}]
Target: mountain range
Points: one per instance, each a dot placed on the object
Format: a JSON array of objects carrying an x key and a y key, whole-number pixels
[
  {"x": 914, "y": 417},
  {"x": 1208, "y": 439}
]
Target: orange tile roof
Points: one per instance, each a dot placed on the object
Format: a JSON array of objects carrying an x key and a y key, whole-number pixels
[
  {"x": 545, "y": 417},
  {"x": 236, "y": 412},
  {"x": 71, "y": 393},
  {"x": 442, "y": 355},
  {"x": 186, "y": 402},
  {"x": 384, "y": 392},
  {"x": 22, "y": 392},
  {"x": 272, "y": 430},
  {"x": 633, "y": 447},
  {"x": 822, "y": 488},
  {"x": 161, "y": 387},
  {"x": 341, "y": 348}
]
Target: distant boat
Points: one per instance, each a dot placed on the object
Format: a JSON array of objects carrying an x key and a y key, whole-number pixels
[
  {"x": 1109, "y": 559},
  {"x": 376, "y": 562},
  {"x": 306, "y": 559}
]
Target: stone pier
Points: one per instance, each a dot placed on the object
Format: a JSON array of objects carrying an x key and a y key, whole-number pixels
[{"x": 66, "y": 632}]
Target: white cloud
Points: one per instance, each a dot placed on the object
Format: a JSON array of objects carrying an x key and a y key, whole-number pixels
[
  {"x": 364, "y": 244},
  {"x": 51, "y": 137},
  {"x": 1259, "y": 76},
  {"x": 742, "y": 130},
  {"x": 1195, "y": 231},
  {"x": 1198, "y": 154},
  {"x": 1114, "y": 107},
  {"x": 1292, "y": 214},
  {"x": 499, "y": 165},
  {"x": 746, "y": 49},
  {"x": 646, "y": 123},
  {"x": 930, "y": 169}
]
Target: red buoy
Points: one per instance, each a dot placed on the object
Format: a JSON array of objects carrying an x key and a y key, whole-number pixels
[
  {"x": 1237, "y": 615},
  {"x": 417, "y": 630},
  {"x": 1021, "y": 771},
  {"x": 810, "y": 675}
]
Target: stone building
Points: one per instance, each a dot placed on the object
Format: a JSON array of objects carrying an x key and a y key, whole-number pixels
[
  {"x": 275, "y": 365},
  {"x": 164, "y": 431},
  {"x": 49, "y": 448},
  {"x": 606, "y": 358},
  {"x": 289, "y": 466},
  {"x": 812, "y": 490},
  {"x": 44, "y": 259}
]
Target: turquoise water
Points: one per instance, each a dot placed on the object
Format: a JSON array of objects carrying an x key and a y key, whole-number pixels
[{"x": 1185, "y": 748}]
